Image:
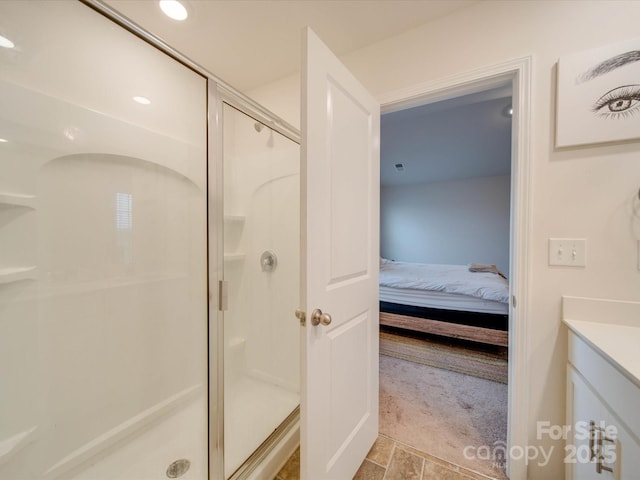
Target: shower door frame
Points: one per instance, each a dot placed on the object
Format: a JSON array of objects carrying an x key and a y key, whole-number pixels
[
  {"x": 218, "y": 92},
  {"x": 218, "y": 96}
]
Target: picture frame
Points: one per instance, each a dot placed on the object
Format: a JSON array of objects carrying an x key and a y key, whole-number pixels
[{"x": 598, "y": 95}]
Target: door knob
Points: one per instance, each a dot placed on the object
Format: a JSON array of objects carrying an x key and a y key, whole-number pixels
[{"x": 317, "y": 318}]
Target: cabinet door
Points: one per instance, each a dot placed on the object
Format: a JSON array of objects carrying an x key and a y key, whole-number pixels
[
  {"x": 585, "y": 413},
  {"x": 625, "y": 448}
]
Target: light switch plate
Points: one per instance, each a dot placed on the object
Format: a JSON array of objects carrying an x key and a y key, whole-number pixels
[{"x": 568, "y": 252}]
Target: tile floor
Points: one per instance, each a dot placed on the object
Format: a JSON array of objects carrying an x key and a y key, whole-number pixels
[{"x": 392, "y": 460}]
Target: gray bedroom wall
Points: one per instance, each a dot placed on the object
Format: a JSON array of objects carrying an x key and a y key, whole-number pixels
[{"x": 456, "y": 222}]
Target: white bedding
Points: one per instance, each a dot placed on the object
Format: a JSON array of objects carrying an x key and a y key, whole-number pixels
[{"x": 454, "y": 279}]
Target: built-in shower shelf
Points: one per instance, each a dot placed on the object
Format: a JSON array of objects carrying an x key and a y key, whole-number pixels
[
  {"x": 234, "y": 219},
  {"x": 234, "y": 257},
  {"x": 9, "y": 446},
  {"x": 15, "y": 274},
  {"x": 17, "y": 200}
]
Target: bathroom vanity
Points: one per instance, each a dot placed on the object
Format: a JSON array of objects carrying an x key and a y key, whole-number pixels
[{"x": 603, "y": 389}]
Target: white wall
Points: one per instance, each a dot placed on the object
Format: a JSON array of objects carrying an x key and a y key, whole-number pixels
[
  {"x": 587, "y": 192},
  {"x": 457, "y": 222}
]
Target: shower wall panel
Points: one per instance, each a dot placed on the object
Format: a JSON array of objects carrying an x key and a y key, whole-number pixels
[
  {"x": 103, "y": 289},
  {"x": 262, "y": 185}
]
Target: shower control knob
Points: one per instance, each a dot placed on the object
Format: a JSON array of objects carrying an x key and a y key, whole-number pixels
[
  {"x": 268, "y": 261},
  {"x": 317, "y": 318}
]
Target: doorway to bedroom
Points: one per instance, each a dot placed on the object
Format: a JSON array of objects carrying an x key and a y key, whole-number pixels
[{"x": 445, "y": 226}]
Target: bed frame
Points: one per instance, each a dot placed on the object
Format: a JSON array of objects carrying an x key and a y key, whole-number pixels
[{"x": 480, "y": 327}]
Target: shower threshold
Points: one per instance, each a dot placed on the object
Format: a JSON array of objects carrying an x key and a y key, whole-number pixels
[
  {"x": 274, "y": 450},
  {"x": 253, "y": 410}
]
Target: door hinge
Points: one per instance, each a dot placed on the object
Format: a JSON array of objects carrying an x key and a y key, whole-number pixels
[{"x": 223, "y": 297}]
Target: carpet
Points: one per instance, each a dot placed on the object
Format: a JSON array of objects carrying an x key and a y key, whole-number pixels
[
  {"x": 446, "y": 414},
  {"x": 486, "y": 362}
]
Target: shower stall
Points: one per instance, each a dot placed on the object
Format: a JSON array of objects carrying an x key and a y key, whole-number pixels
[{"x": 149, "y": 259}]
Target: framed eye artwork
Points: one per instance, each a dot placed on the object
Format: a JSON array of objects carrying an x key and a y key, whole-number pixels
[{"x": 599, "y": 95}]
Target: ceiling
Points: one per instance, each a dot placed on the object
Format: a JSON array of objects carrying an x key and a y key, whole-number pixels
[
  {"x": 464, "y": 137},
  {"x": 249, "y": 43}
]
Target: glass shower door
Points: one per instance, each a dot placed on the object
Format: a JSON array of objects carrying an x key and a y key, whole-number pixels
[
  {"x": 103, "y": 273},
  {"x": 261, "y": 268}
]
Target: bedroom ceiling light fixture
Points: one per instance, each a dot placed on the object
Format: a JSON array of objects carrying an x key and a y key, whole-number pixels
[{"x": 174, "y": 9}]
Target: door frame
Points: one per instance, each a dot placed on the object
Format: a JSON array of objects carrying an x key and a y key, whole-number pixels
[{"x": 518, "y": 71}]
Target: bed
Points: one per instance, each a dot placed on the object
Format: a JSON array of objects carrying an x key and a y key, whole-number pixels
[{"x": 448, "y": 300}]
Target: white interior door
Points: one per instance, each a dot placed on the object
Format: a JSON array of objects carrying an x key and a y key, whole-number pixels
[{"x": 340, "y": 230}]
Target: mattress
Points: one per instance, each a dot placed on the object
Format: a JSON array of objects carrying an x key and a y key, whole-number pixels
[
  {"x": 447, "y": 287},
  {"x": 441, "y": 300}
]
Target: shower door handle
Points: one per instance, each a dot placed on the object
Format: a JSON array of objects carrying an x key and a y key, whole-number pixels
[{"x": 317, "y": 318}]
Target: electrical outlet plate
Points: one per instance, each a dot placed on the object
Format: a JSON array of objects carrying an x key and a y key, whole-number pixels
[{"x": 568, "y": 252}]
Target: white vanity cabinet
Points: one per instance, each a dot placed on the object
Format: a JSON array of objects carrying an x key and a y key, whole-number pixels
[
  {"x": 586, "y": 446},
  {"x": 603, "y": 412}
]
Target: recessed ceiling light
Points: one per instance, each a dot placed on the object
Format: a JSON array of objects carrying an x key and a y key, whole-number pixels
[
  {"x": 174, "y": 9},
  {"x": 142, "y": 100},
  {"x": 3, "y": 140},
  {"x": 6, "y": 43}
]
